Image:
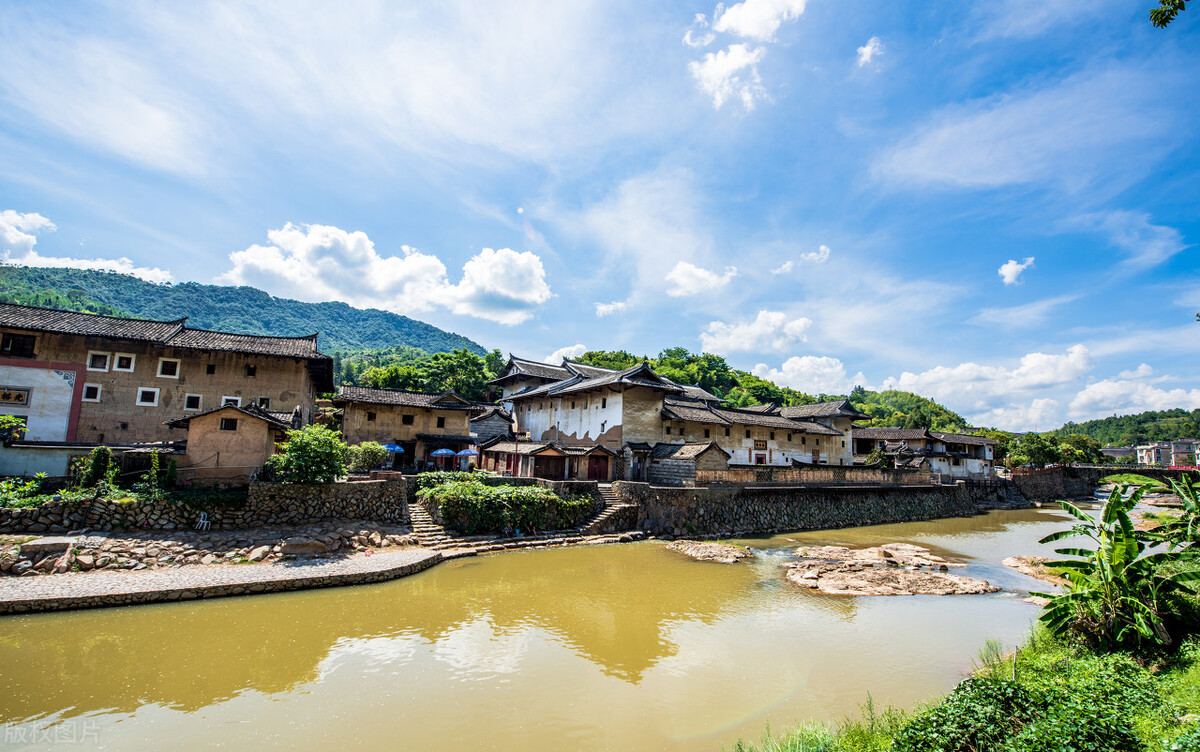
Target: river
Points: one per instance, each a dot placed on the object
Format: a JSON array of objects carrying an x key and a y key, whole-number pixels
[{"x": 624, "y": 647}]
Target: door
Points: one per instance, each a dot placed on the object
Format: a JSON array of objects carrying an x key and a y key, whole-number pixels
[{"x": 597, "y": 468}]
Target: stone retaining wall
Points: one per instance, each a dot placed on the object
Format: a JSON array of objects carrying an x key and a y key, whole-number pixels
[
  {"x": 266, "y": 504},
  {"x": 730, "y": 511}
]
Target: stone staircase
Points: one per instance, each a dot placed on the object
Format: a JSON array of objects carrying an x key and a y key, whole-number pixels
[{"x": 603, "y": 528}]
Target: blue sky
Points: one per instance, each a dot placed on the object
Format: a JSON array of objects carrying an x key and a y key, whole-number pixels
[{"x": 991, "y": 204}]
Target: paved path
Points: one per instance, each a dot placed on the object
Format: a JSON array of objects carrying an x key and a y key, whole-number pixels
[{"x": 94, "y": 589}]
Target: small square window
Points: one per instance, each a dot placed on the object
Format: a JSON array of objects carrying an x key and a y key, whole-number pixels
[
  {"x": 804, "y": 440},
  {"x": 147, "y": 396},
  {"x": 747, "y": 433},
  {"x": 91, "y": 392},
  {"x": 706, "y": 433},
  {"x": 789, "y": 437},
  {"x": 264, "y": 403},
  {"x": 251, "y": 371},
  {"x": 726, "y": 431},
  {"x": 210, "y": 369},
  {"x": 370, "y": 417},
  {"x": 18, "y": 345},
  {"x": 572, "y": 404},
  {"x": 441, "y": 422},
  {"x": 124, "y": 362},
  {"x": 124, "y": 426},
  {"x": 192, "y": 402},
  {"x": 772, "y": 436},
  {"x": 97, "y": 361},
  {"x": 229, "y": 424},
  {"x": 406, "y": 420},
  {"x": 235, "y": 401},
  {"x": 667, "y": 430},
  {"x": 168, "y": 368},
  {"x": 603, "y": 402}
]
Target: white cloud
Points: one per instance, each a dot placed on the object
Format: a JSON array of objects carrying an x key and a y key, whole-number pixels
[
  {"x": 501, "y": 285},
  {"x": 1124, "y": 396},
  {"x": 321, "y": 262},
  {"x": 697, "y": 34},
  {"x": 811, "y": 374},
  {"x": 1010, "y": 271},
  {"x": 1143, "y": 371},
  {"x": 1103, "y": 123},
  {"x": 783, "y": 268},
  {"x": 688, "y": 279},
  {"x": 757, "y": 19},
  {"x": 988, "y": 385},
  {"x": 607, "y": 309},
  {"x": 1028, "y": 314},
  {"x": 1026, "y": 19},
  {"x": 819, "y": 256},
  {"x": 18, "y": 236},
  {"x": 732, "y": 72},
  {"x": 1040, "y": 414},
  {"x": 1146, "y": 245},
  {"x": 770, "y": 330},
  {"x": 869, "y": 51},
  {"x": 570, "y": 352}
]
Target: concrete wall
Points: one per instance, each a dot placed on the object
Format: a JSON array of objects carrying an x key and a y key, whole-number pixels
[
  {"x": 19, "y": 461},
  {"x": 713, "y": 511},
  {"x": 266, "y": 504},
  {"x": 586, "y": 418},
  {"x": 54, "y": 391}
]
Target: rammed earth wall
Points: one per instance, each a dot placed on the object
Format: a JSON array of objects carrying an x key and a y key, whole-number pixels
[
  {"x": 729, "y": 511},
  {"x": 266, "y": 504}
]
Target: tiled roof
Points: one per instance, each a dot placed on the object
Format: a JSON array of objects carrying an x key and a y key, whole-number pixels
[
  {"x": 836, "y": 408},
  {"x": 585, "y": 370},
  {"x": 767, "y": 408},
  {"x": 700, "y": 412},
  {"x": 403, "y": 398},
  {"x": 638, "y": 375},
  {"x": 489, "y": 411},
  {"x": 519, "y": 447},
  {"x": 254, "y": 411},
  {"x": 959, "y": 438},
  {"x": 202, "y": 339},
  {"x": 695, "y": 392},
  {"x": 891, "y": 434},
  {"x": 517, "y": 367},
  {"x": 695, "y": 412},
  {"x": 86, "y": 324},
  {"x": 688, "y": 451},
  {"x": 582, "y": 450}
]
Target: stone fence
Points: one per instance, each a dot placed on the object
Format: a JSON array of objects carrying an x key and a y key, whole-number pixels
[
  {"x": 812, "y": 475},
  {"x": 738, "y": 511},
  {"x": 266, "y": 504}
]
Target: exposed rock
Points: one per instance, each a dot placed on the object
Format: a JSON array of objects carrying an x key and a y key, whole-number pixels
[
  {"x": 85, "y": 561},
  {"x": 721, "y": 553},
  {"x": 1033, "y": 566},
  {"x": 260, "y": 553},
  {"x": 892, "y": 569},
  {"x": 207, "y": 559},
  {"x": 299, "y": 546},
  {"x": 47, "y": 545},
  {"x": 22, "y": 566}
]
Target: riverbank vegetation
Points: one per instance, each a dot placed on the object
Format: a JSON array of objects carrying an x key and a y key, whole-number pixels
[
  {"x": 1113, "y": 666},
  {"x": 465, "y": 503}
]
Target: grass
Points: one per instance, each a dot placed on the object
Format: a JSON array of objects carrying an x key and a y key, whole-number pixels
[{"x": 1132, "y": 479}]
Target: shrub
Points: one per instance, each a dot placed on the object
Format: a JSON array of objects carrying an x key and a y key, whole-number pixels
[
  {"x": 979, "y": 714},
  {"x": 313, "y": 454},
  {"x": 14, "y": 493},
  {"x": 98, "y": 468},
  {"x": 426, "y": 481},
  {"x": 472, "y": 507},
  {"x": 367, "y": 455}
]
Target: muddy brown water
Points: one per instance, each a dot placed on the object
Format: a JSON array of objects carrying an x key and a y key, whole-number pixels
[{"x": 624, "y": 647}]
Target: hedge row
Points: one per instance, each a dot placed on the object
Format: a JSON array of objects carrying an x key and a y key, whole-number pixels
[{"x": 471, "y": 507}]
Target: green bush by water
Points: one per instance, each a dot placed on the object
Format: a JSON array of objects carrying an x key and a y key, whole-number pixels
[{"x": 469, "y": 506}]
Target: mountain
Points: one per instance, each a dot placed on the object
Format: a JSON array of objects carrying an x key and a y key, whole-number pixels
[
  {"x": 246, "y": 310},
  {"x": 1126, "y": 430}
]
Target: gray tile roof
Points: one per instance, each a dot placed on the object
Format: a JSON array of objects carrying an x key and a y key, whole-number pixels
[
  {"x": 403, "y": 398},
  {"x": 517, "y": 367},
  {"x": 254, "y": 344},
  {"x": 700, "y": 412},
  {"x": 891, "y": 434},
  {"x": 837, "y": 408},
  {"x": 278, "y": 420},
  {"x": 585, "y": 370},
  {"x": 959, "y": 438},
  {"x": 688, "y": 451}
]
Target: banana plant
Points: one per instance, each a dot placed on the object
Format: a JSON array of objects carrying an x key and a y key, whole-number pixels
[
  {"x": 1181, "y": 533},
  {"x": 1114, "y": 594}
]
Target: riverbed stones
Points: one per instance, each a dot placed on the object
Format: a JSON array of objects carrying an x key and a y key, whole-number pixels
[
  {"x": 260, "y": 553},
  {"x": 891, "y": 569},
  {"x": 300, "y": 546},
  {"x": 1034, "y": 566},
  {"x": 53, "y": 544},
  {"x": 722, "y": 553}
]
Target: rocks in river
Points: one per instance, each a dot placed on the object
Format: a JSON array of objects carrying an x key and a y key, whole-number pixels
[
  {"x": 1034, "y": 566},
  {"x": 722, "y": 553},
  {"x": 892, "y": 569}
]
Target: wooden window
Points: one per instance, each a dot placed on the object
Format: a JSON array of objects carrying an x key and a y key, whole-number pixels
[
  {"x": 97, "y": 361},
  {"x": 124, "y": 362},
  {"x": 441, "y": 422},
  {"x": 210, "y": 369},
  {"x": 192, "y": 402},
  {"x": 18, "y": 345},
  {"x": 235, "y": 401},
  {"x": 229, "y": 424},
  {"x": 406, "y": 420},
  {"x": 251, "y": 371},
  {"x": 147, "y": 396},
  {"x": 168, "y": 368},
  {"x": 91, "y": 392},
  {"x": 370, "y": 416}
]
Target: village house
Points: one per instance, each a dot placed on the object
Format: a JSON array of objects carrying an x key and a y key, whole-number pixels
[
  {"x": 1176, "y": 453},
  {"x": 949, "y": 455},
  {"x": 420, "y": 423},
  {"x": 77, "y": 377},
  {"x": 493, "y": 422},
  {"x": 548, "y": 459},
  {"x": 633, "y": 410},
  {"x": 228, "y": 443}
]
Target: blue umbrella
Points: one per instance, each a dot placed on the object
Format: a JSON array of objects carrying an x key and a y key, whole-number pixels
[
  {"x": 442, "y": 453},
  {"x": 394, "y": 448},
  {"x": 467, "y": 453}
]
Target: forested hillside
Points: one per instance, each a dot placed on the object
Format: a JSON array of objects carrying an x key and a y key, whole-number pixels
[
  {"x": 236, "y": 309},
  {"x": 1126, "y": 430}
]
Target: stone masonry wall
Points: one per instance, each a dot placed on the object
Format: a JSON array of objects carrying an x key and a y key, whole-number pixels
[
  {"x": 673, "y": 472},
  {"x": 729, "y": 511},
  {"x": 266, "y": 504}
]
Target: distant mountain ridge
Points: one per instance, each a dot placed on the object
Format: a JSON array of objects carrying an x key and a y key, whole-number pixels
[
  {"x": 1140, "y": 428},
  {"x": 245, "y": 310}
]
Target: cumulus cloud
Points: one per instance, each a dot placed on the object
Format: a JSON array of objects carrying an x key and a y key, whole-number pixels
[
  {"x": 869, "y": 51},
  {"x": 321, "y": 262},
  {"x": 783, "y": 268},
  {"x": 607, "y": 309},
  {"x": 757, "y": 19},
  {"x": 18, "y": 236},
  {"x": 688, "y": 279},
  {"x": 1041, "y": 413},
  {"x": 1145, "y": 244},
  {"x": 1010, "y": 271},
  {"x": 1123, "y": 395},
  {"x": 819, "y": 256},
  {"x": 1143, "y": 371},
  {"x": 698, "y": 34},
  {"x": 770, "y": 330},
  {"x": 730, "y": 73},
  {"x": 811, "y": 374},
  {"x": 989, "y": 385},
  {"x": 570, "y": 352}
]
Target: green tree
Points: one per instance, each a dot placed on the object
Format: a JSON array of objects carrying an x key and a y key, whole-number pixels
[
  {"x": 493, "y": 363},
  {"x": 461, "y": 371},
  {"x": 313, "y": 454},
  {"x": 1164, "y": 14},
  {"x": 616, "y": 359},
  {"x": 1080, "y": 448},
  {"x": 1033, "y": 449}
]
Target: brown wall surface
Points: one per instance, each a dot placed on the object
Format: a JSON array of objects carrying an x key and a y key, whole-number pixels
[
  {"x": 213, "y": 454},
  {"x": 389, "y": 424}
]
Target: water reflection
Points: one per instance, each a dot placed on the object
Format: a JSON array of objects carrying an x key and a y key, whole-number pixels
[{"x": 630, "y": 647}]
